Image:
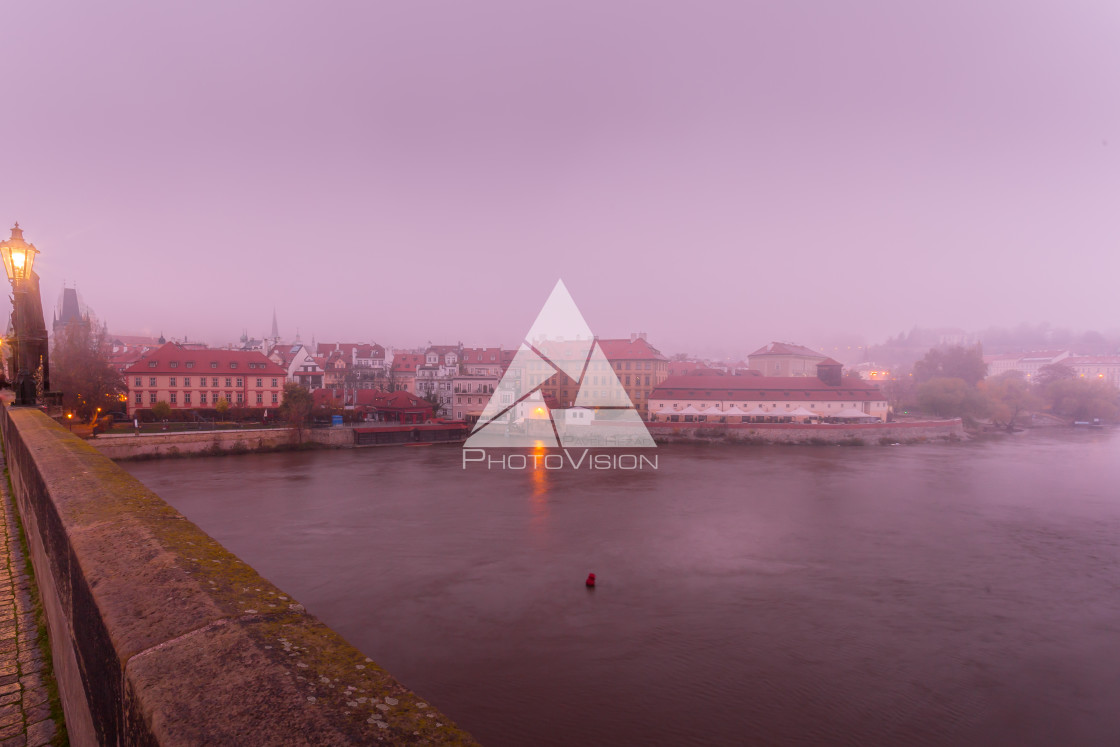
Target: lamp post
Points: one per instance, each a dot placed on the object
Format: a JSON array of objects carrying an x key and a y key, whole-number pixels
[{"x": 19, "y": 259}]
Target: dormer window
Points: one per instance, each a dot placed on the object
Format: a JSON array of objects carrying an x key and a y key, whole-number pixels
[
  {"x": 233, "y": 364},
  {"x": 152, "y": 364},
  {"x": 213, "y": 364},
  {"x": 174, "y": 364},
  {"x": 190, "y": 364}
]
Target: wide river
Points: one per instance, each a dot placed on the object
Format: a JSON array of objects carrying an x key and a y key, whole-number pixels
[{"x": 934, "y": 594}]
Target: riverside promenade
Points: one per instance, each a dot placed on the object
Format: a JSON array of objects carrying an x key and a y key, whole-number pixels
[{"x": 26, "y": 719}]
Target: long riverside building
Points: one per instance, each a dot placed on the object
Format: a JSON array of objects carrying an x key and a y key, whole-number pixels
[{"x": 825, "y": 395}]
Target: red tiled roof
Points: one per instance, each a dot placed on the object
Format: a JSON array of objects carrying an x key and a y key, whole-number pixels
[
  {"x": 764, "y": 388},
  {"x": 201, "y": 361},
  {"x": 625, "y": 349},
  {"x": 407, "y": 362},
  {"x": 482, "y": 355},
  {"x": 829, "y": 362},
  {"x": 786, "y": 348},
  {"x": 375, "y": 398},
  {"x": 337, "y": 361}
]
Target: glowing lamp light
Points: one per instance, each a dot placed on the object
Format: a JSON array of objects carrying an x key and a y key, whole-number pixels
[{"x": 19, "y": 256}]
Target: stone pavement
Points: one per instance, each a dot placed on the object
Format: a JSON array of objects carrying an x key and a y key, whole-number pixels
[{"x": 25, "y": 704}]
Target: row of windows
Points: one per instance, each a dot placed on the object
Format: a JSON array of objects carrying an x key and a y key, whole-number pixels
[
  {"x": 204, "y": 400},
  {"x": 213, "y": 364},
  {"x": 139, "y": 381}
]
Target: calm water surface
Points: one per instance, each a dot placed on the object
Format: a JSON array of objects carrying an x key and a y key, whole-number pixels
[{"x": 948, "y": 594}]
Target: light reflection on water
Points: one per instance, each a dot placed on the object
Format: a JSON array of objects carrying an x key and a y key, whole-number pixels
[{"x": 931, "y": 594}]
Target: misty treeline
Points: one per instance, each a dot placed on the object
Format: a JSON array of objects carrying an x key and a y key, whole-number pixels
[
  {"x": 906, "y": 348},
  {"x": 952, "y": 382}
]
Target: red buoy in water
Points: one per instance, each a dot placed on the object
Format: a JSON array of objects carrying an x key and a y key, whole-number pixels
[{"x": 590, "y": 580}]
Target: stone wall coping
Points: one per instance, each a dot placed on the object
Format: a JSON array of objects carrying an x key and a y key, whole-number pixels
[{"x": 177, "y": 640}]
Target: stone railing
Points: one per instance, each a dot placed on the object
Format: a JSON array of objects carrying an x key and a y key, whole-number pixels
[{"x": 159, "y": 635}]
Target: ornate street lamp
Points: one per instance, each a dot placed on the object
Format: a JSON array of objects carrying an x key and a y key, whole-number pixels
[{"x": 19, "y": 259}]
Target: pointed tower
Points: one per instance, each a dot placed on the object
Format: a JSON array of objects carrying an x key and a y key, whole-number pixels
[{"x": 275, "y": 326}]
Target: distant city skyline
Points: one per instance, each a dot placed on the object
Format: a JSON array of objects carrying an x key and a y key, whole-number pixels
[{"x": 717, "y": 176}]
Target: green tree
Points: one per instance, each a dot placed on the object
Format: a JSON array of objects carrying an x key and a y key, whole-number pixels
[
  {"x": 1009, "y": 395},
  {"x": 951, "y": 398},
  {"x": 957, "y": 362},
  {"x": 222, "y": 407},
  {"x": 432, "y": 398},
  {"x": 1082, "y": 399},
  {"x": 81, "y": 370},
  {"x": 161, "y": 410},
  {"x": 1053, "y": 372},
  {"x": 296, "y": 408}
]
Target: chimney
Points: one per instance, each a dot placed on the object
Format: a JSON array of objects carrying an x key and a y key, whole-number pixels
[
  {"x": 829, "y": 371},
  {"x": 633, "y": 336}
]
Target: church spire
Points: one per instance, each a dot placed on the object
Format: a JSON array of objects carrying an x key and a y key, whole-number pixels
[{"x": 275, "y": 326}]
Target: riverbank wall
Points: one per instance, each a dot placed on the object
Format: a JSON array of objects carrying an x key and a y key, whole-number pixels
[
  {"x": 796, "y": 433},
  {"x": 161, "y": 636},
  {"x": 186, "y": 443},
  {"x": 243, "y": 441}
]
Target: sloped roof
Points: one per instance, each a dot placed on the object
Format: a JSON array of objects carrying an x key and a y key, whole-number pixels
[
  {"x": 482, "y": 355},
  {"x": 408, "y": 362},
  {"x": 786, "y": 348},
  {"x": 201, "y": 360},
  {"x": 375, "y": 398},
  {"x": 626, "y": 349}
]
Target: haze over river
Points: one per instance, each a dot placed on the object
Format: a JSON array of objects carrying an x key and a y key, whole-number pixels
[{"x": 933, "y": 594}]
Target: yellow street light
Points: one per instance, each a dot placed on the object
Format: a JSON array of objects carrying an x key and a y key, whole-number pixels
[
  {"x": 19, "y": 259},
  {"x": 19, "y": 256}
]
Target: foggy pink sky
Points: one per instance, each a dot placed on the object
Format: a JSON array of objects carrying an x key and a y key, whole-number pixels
[{"x": 717, "y": 174}]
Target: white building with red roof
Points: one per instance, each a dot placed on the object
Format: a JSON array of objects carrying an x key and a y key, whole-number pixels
[
  {"x": 402, "y": 373},
  {"x": 1027, "y": 364},
  {"x": 300, "y": 365},
  {"x": 189, "y": 378},
  {"x": 482, "y": 361},
  {"x": 698, "y": 398}
]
